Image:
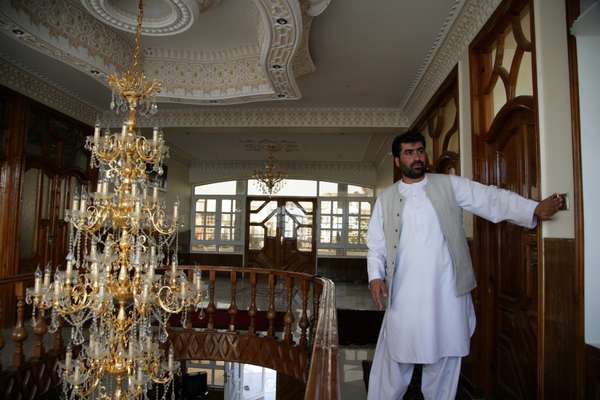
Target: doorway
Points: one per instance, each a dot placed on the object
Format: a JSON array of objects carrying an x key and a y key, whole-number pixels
[{"x": 280, "y": 233}]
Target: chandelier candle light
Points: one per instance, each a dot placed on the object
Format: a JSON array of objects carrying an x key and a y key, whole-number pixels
[
  {"x": 110, "y": 294},
  {"x": 268, "y": 180}
]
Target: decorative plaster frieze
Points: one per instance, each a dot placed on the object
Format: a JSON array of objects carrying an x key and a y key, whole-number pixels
[
  {"x": 64, "y": 24},
  {"x": 65, "y": 30},
  {"x": 30, "y": 85},
  {"x": 271, "y": 117},
  {"x": 471, "y": 18},
  {"x": 446, "y": 25}
]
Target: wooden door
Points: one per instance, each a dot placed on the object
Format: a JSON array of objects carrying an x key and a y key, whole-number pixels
[
  {"x": 280, "y": 233},
  {"x": 512, "y": 251}
]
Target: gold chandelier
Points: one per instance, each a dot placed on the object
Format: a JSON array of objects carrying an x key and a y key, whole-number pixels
[
  {"x": 269, "y": 180},
  {"x": 110, "y": 293}
]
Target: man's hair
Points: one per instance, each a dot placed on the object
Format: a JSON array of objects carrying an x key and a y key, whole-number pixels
[{"x": 406, "y": 137}]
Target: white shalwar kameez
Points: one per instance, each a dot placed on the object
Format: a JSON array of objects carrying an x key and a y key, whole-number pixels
[{"x": 426, "y": 322}]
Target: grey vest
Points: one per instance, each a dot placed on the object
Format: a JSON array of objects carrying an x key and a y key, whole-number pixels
[{"x": 440, "y": 193}]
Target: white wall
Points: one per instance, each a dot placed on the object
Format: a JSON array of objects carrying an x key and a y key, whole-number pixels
[
  {"x": 554, "y": 109},
  {"x": 363, "y": 174},
  {"x": 385, "y": 172},
  {"x": 587, "y": 31},
  {"x": 178, "y": 187}
]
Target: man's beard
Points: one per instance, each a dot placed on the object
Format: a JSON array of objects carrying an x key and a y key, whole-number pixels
[{"x": 412, "y": 172}]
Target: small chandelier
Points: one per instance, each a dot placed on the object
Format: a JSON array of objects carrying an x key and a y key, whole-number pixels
[
  {"x": 110, "y": 293},
  {"x": 269, "y": 180}
]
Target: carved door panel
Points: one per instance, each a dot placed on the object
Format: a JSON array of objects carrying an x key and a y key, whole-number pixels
[
  {"x": 280, "y": 233},
  {"x": 513, "y": 157}
]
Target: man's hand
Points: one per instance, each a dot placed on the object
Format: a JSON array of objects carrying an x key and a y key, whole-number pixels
[
  {"x": 379, "y": 292},
  {"x": 548, "y": 207}
]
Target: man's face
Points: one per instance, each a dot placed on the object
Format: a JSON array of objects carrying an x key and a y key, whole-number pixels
[{"x": 412, "y": 160}]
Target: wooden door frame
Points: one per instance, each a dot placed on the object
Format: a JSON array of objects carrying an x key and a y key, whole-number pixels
[{"x": 284, "y": 199}]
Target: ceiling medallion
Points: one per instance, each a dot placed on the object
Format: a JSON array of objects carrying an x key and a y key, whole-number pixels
[{"x": 166, "y": 17}]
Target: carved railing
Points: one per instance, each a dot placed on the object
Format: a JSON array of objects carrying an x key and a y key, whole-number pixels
[{"x": 281, "y": 320}]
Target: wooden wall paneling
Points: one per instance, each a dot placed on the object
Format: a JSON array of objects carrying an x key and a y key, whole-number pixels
[
  {"x": 592, "y": 375},
  {"x": 343, "y": 269},
  {"x": 560, "y": 378},
  {"x": 440, "y": 127},
  {"x": 505, "y": 153},
  {"x": 573, "y": 11}
]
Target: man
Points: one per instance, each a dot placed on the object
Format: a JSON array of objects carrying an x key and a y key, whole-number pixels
[{"x": 420, "y": 269}]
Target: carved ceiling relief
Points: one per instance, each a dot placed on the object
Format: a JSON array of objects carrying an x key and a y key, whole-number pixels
[{"x": 82, "y": 33}]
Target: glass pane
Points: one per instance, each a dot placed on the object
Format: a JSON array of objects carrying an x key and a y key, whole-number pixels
[
  {"x": 325, "y": 207},
  {"x": 271, "y": 226},
  {"x": 289, "y": 225},
  {"x": 365, "y": 208},
  {"x": 337, "y": 223},
  {"x": 306, "y": 205},
  {"x": 336, "y": 236},
  {"x": 328, "y": 189},
  {"x": 216, "y": 188},
  {"x": 199, "y": 219},
  {"x": 204, "y": 247},
  {"x": 353, "y": 207},
  {"x": 226, "y": 220},
  {"x": 355, "y": 252},
  {"x": 264, "y": 212},
  {"x": 210, "y": 234},
  {"x": 291, "y": 187},
  {"x": 226, "y": 248},
  {"x": 326, "y": 252},
  {"x": 337, "y": 208},
  {"x": 325, "y": 236},
  {"x": 257, "y": 238},
  {"x": 225, "y": 234},
  {"x": 325, "y": 222},
  {"x": 210, "y": 219},
  {"x": 29, "y": 206},
  {"x": 359, "y": 191},
  {"x": 46, "y": 187},
  {"x": 219, "y": 377},
  {"x": 226, "y": 205},
  {"x": 233, "y": 206},
  {"x": 353, "y": 237},
  {"x": 364, "y": 223},
  {"x": 211, "y": 205},
  {"x": 352, "y": 222},
  {"x": 199, "y": 233},
  {"x": 200, "y": 205},
  {"x": 304, "y": 242}
]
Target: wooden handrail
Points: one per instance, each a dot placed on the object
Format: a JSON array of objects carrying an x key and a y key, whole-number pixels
[
  {"x": 302, "y": 343},
  {"x": 323, "y": 382}
]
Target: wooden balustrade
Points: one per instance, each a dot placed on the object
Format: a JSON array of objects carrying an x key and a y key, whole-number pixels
[{"x": 280, "y": 320}]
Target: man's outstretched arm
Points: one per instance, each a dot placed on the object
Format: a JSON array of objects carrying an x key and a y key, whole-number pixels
[{"x": 497, "y": 205}]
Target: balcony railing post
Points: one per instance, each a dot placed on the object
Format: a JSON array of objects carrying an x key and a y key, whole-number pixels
[
  {"x": 303, "y": 324},
  {"x": 39, "y": 329},
  {"x": 271, "y": 312},
  {"x": 211, "y": 308},
  {"x": 289, "y": 315},
  {"x": 232, "y": 311},
  {"x": 252, "y": 308},
  {"x": 19, "y": 334}
]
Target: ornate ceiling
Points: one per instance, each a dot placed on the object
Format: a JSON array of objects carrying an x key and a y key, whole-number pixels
[
  {"x": 251, "y": 69},
  {"x": 266, "y": 49}
]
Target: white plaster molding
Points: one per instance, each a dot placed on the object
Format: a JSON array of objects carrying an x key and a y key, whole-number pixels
[
  {"x": 39, "y": 89},
  {"x": 471, "y": 18},
  {"x": 270, "y": 117},
  {"x": 446, "y": 25},
  {"x": 181, "y": 16}
]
